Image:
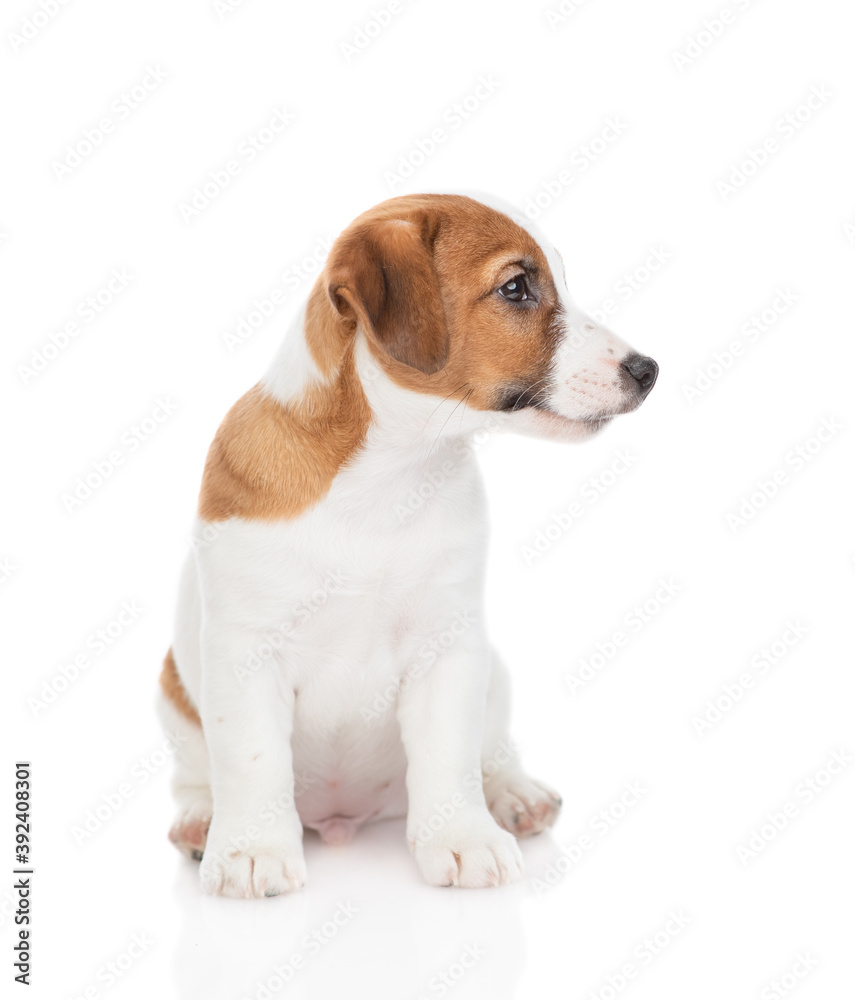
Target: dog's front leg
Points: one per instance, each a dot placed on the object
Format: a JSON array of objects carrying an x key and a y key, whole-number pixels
[
  {"x": 254, "y": 845},
  {"x": 450, "y": 831}
]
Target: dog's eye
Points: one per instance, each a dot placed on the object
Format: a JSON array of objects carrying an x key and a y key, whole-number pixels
[{"x": 516, "y": 290}]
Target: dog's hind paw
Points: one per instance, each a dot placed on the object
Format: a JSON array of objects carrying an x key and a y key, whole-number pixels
[
  {"x": 189, "y": 832},
  {"x": 521, "y": 805}
]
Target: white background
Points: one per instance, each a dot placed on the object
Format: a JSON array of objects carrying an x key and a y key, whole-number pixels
[{"x": 684, "y": 128}]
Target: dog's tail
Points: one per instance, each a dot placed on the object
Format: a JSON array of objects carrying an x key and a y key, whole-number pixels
[{"x": 175, "y": 692}]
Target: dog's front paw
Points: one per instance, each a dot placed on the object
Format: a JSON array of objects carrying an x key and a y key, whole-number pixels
[
  {"x": 521, "y": 805},
  {"x": 473, "y": 853},
  {"x": 252, "y": 873}
]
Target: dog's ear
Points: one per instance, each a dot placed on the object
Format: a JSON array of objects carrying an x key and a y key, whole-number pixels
[{"x": 382, "y": 275}]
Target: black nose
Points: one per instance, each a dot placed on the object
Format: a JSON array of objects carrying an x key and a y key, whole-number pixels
[{"x": 643, "y": 370}]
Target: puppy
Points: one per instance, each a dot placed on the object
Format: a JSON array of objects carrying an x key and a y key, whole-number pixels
[{"x": 330, "y": 665}]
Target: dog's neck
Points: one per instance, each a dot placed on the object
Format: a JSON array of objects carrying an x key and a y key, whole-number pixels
[
  {"x": 327, "y": 406},
  {"x": 324, "y": 363},
  {"x": 310, "y": 359}
]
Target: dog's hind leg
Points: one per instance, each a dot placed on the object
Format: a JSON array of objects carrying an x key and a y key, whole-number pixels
[
  {"x": 519, "y": 804},
  {"x": 190, "y": 782}
]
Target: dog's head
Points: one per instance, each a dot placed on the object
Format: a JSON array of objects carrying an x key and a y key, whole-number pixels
[{"x": 456, "y": 300}]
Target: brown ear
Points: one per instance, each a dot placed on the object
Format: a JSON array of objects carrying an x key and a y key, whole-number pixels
[{"x": 382, "y": 275}]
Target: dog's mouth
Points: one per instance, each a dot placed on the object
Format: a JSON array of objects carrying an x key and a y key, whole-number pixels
[
  {"x": 535, "y": 415},
  {"x": 520, "y": 400},
  {"x": 542, "y": 422},
  {"x": 596, "y": 423},
  {"x": 589, "y": 424}
]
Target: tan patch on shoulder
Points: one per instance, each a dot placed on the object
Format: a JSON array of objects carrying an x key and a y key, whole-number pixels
[
  {"x": 174, "y": 690},
  {"x": 270, "y": 461}
]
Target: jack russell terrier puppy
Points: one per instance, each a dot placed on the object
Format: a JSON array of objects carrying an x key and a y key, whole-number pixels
[{"x": 330, "y": 665}]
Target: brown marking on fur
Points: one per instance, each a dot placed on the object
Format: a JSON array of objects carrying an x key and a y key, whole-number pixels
[
  {"x": 418, "y": 275},
  {"x": 174, "y": 690},
  {"x": 381, "y": 274},
  {"x": 326, "y": 335},
  {"x": 270, "y": 461},
  {"x": 433, "y": 263}
]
